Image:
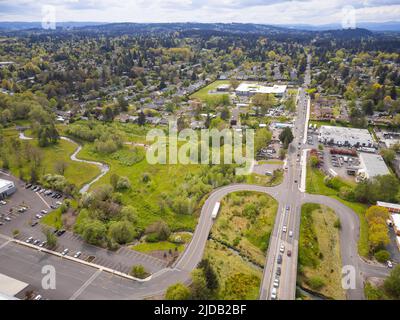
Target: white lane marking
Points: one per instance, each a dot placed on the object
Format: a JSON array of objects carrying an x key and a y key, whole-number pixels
[
  {"x": 44, "y": 201},
  {"x": 4, "y": 244},
  {"x": 85, "y": 285}
]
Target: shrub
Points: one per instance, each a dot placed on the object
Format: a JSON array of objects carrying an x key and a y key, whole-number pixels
[
  {"x": 122, "y": 232},
  {"x": 337, "y": 224},
  {"x": 55, "y": 181},
  {"x": 373, "y": 293},
  {"x": 347, "y": 193},
  {"x": 392, "y": 283},
  {"x": 123, "y": 183},
  {"x": 145, "y": 177},
  {"x": 160, "y": 229},
  {"x": 382, "y": 256},
  {"x": 177, "y": 292},
  {"x": 315, "y": 283},
  {"x": 152, "y": 237},
  {"x": 139, "y": 271}
]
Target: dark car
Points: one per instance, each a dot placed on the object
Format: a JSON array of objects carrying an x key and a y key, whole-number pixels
[
  {"x": 289, "y": 253},
  {"x": 279, "y": 259},
  {"x": 278, "y": 271},
  {"x": 28, "y": 186},
  {"x": 60, "y": 232},
  {"x": 34, "y": 223}
]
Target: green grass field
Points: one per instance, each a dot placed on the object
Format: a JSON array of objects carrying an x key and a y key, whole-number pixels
[
  {"x": 53, "y": 219},
  {"x": 157, "y": 246},
  {"x": 315, "y": 185},
  {"x": 319, "y": 252},
  {"x": 76, "y": 172},
  {"x": 145, "y": 197},
  {"x": 203, "y": 94}
]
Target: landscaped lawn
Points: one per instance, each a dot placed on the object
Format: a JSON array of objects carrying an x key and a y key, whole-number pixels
[
  {"x": 315, "y": 185},
  {"x": 157, "y": 246},
  {"x": 203, "y": 94},
  {"x": 320, "y": 261},
  {"x": 53, "y": 219}
]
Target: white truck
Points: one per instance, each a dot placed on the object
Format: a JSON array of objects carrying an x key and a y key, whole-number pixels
[{"x": 215, "y": 210}]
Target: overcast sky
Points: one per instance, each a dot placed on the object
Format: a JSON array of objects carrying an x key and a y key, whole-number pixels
[{"x": 255, "y": 11}]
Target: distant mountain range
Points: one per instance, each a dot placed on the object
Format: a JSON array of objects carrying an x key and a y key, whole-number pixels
[
  {"x": 223, "y": 27},
  {"x": 372, "y": 26},
  {"x": 13, "y": 26}
]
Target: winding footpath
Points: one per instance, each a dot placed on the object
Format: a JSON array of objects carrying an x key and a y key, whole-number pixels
[{"x": 104, "y": 168}]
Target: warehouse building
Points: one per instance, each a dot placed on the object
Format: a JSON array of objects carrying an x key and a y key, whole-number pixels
[
  {"x": 7, "y": 188},
  {"x": 249, "y": 89},
  {"x": 347, "y": 137},
  {"x": 372, "y": 165}
]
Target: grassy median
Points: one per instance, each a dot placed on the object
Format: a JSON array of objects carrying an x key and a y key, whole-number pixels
[
  {"x": 320, "y": 262},
  {"x": 240, "y": 238},
  {"x": 315, "y": 185}
]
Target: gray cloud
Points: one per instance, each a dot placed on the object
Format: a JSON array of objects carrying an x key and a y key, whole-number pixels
[{"x": 260, "y": 11}]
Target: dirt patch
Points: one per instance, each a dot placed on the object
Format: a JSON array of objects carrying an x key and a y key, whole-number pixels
[
  {"x": 165, "y": 255},
  {"x": 69, "y": 218}
]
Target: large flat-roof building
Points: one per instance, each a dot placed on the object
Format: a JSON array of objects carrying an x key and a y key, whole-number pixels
[
  {"x": 372, "y": 165},
  {"x": 392, "y": 207},
  {"x": 10, "y": 287},
  {"x": 341, "y": 136},
  {"x": 249, "y": 89},
  {"x": 7, "y": 188}
]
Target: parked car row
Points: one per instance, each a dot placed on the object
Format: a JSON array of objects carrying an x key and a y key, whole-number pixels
[
  {"x": 36, "y": 242},
  {"x": 42, "y": 244},
  {"x": 39, "y": 189}
]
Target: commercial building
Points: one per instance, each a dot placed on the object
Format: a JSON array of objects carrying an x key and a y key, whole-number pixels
[
  {"x": 372, "y": 165},
  {"x": 348, "y": 137},
  {"x": 7, "y": 188},
  {"x": 224, "y": 88},
  {"x": 10, "y": 287},
  {"x": 392, "y": 207},
  {"x": 249, "y": 89}
]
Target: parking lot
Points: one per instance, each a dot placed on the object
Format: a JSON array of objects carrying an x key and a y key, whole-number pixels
[
  {"x": 23, "y": 211},
  {"x": 25, "y": 207}
]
